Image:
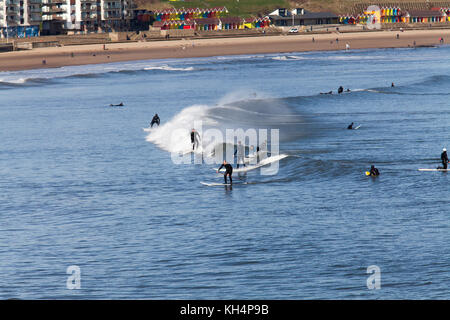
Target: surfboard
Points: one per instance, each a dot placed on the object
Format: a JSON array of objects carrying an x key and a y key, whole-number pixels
[
  {"x": 357, "y": 127},
  {"x": 424, "y": 169},
  {"x": 260, "y": 164},
  {"x": 213, "y": 184}
]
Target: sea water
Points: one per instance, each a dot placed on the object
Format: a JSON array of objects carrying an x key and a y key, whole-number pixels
[{"x": 82, "y": 184}]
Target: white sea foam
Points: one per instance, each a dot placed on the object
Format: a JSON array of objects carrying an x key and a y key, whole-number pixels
[{"x": 22, "y": 77}]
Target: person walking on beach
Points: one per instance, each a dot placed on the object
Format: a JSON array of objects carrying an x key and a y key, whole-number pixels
[
  {"x": 240, "y": 152},
  {"x": 155, "y": 120},
  {"x": 444, "y": 158},
  {"x": 194, "y": 139},
  {"x": 228, "y": 171}
]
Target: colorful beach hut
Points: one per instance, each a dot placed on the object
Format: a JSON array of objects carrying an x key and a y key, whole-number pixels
[{"x": 207, "y": 24}]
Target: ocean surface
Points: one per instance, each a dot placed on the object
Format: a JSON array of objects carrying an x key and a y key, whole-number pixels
[{"x": 83, "y": 184}]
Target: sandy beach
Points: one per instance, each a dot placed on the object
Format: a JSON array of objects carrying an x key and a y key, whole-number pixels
[{"x": 115, "y": 52}]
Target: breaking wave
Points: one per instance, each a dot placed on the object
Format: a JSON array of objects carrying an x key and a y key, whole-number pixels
[{"x": 233, "y": 112}]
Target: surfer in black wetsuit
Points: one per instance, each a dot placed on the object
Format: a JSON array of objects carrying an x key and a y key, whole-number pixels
[
  {"x": 340, "y": 90},
  {"x": 444, "y": 158},
  {"x": 155, "y": 120},
  {"x": 374, "y": 171},
  {"x": 350, "y": 127},
  {"x": 228, "y": 171},
  {"x": 116, "y": 105},
  {"x": 194, "y": 139}
]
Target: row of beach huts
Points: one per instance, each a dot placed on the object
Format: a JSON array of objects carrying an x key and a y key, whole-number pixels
[
  {"x": 205, "y": 19},
  {"x": 217, "y": 18}
]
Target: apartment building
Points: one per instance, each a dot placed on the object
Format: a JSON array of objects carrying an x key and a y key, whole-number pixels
[
  {"x": 19, "y": 18},
  {"x": 63, "y": 16}
]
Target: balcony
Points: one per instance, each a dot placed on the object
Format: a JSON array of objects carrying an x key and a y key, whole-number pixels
[
  {"x": 12, "y": 2},
  {"x": 12, "y": 11},
  {"x": 89, "y": 8},
  {"x": 52, "y": 2},
  {"x": 35, "y": 18},
  {"x": 53, "y": 10},
  {"x": 58, "y": 17},
  {"x": 12, "y": 20},
  {"x": 89, "y": 17},
  {"x": 111, "y": 5},
  {"x": 34, "y": 9}
]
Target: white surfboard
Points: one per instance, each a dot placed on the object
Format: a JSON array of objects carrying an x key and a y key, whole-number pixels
[
  {"x": 260, "y": 164},
  {"x": 198, "y": 150},
  {"x": 357, "y": 127},
  {"x": 213, "y": 184},
  {"x": 434, "y": 170}
]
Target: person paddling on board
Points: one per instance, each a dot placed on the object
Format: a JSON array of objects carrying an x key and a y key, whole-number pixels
[
  {"x": 350, "y": 127},
  {"x": 444, "y": 158},
  {"x": 240, "y": 153},
  {"x": 374, "y": 171},
  {"x": 340, "y": 90},
  {"x": 194, "y": 139},
  {"x": 228, "y": 171},
  {"x": 155, "y": 120}
]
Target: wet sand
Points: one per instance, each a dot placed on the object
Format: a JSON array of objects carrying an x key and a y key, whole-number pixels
[{"x": 115, "y": 52}]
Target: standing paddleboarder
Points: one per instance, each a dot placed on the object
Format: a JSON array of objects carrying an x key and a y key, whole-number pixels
[
  {"x": 228, "y": 171},
  {"x": 444, "y": 158},
  {"x": 194, "y": 139}
]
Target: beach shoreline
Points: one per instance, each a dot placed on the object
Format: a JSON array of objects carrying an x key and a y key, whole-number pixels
[{"x": 54, "y": 57}]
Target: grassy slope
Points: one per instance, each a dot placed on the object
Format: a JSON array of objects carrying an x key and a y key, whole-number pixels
[{"x": 245, "y": 8}]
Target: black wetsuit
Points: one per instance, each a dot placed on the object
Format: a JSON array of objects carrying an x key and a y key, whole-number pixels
[
  {"x": 374, "y": 171},
  {"x": 194, "y": 141},
  {"x": 444, "y": 159},
  {"x": 340, "y": 90},
  {"x": 350, "y": 127},
  {"x": 155, "y": 120},
  {"x": 228, "y": 171}
]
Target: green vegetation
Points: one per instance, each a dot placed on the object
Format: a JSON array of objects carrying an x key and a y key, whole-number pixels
[
  {"x": 246, "y": 8},
  {"x": 242, "y": 8}
]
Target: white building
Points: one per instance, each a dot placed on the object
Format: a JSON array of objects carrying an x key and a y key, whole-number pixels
[
  {"x": 19, "y": 17},
  {"x": 61, "y": 16}
]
